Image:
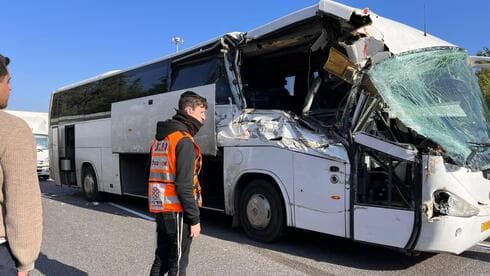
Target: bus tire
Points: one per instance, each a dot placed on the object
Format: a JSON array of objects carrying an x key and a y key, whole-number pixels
[
  {"x": 89, "y": 184},
  {"x": 261, "y": 211}
]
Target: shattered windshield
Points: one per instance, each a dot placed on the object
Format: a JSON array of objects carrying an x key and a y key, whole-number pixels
[{"x": 436, "y": 93}]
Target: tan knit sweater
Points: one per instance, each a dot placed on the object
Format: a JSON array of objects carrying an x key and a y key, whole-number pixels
[{"x": 20, "y": 197}]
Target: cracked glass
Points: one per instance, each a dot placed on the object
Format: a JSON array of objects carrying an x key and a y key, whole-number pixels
[{"x": 435, "y": 92}]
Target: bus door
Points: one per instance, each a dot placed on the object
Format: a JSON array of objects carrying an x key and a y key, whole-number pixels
[
  {"x": 320, "y": 194},
  {"x": 67, "y": 157},
  {"x": 383, "y": 200},
  {"x": 54, "y": 154}
]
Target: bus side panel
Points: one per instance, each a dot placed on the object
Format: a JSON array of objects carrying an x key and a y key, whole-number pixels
[
  {"x": 272, "y": 161},
  {"x": 90, "y": 156},
  {"x": 110, "y": 172},
  {"x": 134, "y": 121},
  {"x": 387, "y": 226},
  {"x": 92, "y": 138}
]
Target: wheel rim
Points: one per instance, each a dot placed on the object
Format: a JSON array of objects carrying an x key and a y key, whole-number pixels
[
  {"x": 89, "y": 184},
  {"x": 258, "y": 211}
]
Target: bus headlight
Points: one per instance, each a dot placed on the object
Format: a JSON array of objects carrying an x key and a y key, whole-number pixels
[{"x": 446, "y": 203}]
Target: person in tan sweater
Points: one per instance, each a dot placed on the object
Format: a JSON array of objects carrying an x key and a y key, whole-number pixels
[{"x": 20, "y": 196}]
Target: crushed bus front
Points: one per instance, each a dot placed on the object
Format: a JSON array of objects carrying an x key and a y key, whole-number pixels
[{"x": 456, "y": 207}]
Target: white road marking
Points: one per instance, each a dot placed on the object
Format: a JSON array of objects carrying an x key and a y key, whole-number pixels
[
  {"x": 484, "y": 245},
  {"x": 132, "y": 211},
  {"x": 213, "y": 209}
]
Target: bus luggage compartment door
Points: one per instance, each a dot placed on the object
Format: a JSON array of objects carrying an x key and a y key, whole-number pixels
[{"x": 133, "y": 122}]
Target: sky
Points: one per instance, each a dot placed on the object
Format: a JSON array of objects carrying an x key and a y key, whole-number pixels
[{"x": 53, "y": 43}]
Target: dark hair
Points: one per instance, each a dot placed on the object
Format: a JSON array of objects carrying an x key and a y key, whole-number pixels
[
  {"x": 4, "y": 62},
  {"x": 192, "y": 99}
]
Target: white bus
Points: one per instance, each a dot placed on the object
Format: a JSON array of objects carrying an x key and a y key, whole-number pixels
[{"x": 330, "y": 119}]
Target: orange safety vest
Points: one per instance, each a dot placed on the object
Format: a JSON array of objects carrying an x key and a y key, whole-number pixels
[{"x": 162, "y": 196}]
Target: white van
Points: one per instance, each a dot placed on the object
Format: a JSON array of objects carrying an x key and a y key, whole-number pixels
[{"x": 38, "y": 122}]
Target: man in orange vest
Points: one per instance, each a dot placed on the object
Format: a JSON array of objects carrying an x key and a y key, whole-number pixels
[{"x": 174, "y": 193}]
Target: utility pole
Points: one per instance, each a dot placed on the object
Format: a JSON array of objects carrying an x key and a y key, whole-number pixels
[{"x": 177, "y": 40}]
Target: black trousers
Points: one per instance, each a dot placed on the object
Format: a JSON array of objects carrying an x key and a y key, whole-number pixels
[
  {"x": 7, "y": 261},
  {"x": 173, "y": 245}
]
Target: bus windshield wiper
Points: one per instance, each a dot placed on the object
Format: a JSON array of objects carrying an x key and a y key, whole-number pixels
[{"x": 475, "y": 147}]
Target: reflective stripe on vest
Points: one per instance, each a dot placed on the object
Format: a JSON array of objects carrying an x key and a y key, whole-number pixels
[
  {"x": 161, "y": 175},
  {"x": 162, "y": 196}
]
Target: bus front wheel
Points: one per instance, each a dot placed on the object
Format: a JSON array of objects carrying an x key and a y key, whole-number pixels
[
  {"x": 261, "y": 211},
  {"x": 89, "y": 184}
]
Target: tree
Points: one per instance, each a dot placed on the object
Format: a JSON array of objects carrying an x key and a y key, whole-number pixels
[
  {"x": 485, "y": 52},
  {"x": 484, "y": 77}
]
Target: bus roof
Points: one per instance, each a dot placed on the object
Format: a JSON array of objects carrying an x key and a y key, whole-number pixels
[
  {"x": 282, "y": 22},
  {"x": 397, "y": 36}
]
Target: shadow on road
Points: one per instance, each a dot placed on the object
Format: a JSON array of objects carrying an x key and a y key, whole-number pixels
[
  {"x": 315, "y": 246},
  {"x": 74, "y": 196},
  {"x": 476, "y": 255},
  {"x": 48, "y": 266}
]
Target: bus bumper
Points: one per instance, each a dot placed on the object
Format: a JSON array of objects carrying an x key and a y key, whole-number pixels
[
  {"x": 460, "y": 218},
  {"x": 454, "y": 234}
]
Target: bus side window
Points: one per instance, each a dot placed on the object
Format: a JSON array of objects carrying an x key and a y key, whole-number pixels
[
  {"x": 202, "y": 73},
  {"x": 145, "y": 81},
  {"x": 289, "y": 86}
]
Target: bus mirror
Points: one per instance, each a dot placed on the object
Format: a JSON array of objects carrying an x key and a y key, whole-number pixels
[{"x": 479, "y": 62}]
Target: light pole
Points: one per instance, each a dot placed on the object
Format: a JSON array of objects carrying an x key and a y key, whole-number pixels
[{"x": 177, "y": 40}]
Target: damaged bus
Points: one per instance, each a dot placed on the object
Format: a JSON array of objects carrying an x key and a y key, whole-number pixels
[{"x": 331, "y": 119}]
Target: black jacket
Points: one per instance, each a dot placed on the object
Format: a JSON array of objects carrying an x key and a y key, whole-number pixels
[{"x": 185, "y": 156}]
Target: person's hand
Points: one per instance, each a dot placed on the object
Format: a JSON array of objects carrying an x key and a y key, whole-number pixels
[
  {"x": 22, "y": 273},
  {"x": 195, "y": 230}
]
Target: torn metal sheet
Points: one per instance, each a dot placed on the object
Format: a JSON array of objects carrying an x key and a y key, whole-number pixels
[
  {"x": 399, "y": 37},
  {"x": 340, "y": 10},
  {"x": 387, "y": 147},
  {"x": 441, "y": 176},
  {"x": 360, "y": 51},
  {"x": 279, "y": 129}
]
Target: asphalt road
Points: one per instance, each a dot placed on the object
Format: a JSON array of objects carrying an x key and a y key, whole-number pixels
[{"x": 82, "y": 238}]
